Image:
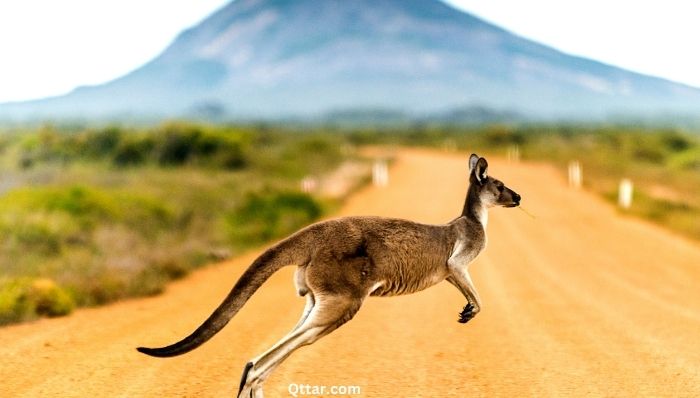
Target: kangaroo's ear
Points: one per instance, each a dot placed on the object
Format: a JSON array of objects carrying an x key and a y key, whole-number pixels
[
  {"x": 472, "y": 161},
  {"x": 482, "y": 167}
]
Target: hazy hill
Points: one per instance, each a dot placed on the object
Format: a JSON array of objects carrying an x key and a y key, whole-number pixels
[{"x": 300, "y": 58}]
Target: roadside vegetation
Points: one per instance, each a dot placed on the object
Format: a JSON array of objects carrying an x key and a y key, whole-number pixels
[{"x": 91, "y": 216}]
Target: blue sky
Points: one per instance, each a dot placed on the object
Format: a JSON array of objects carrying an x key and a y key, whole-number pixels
[{"x": 50, "y": 47}]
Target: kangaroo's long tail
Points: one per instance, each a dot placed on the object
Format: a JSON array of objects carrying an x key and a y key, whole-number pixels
[{"x": 253, "y": 277}]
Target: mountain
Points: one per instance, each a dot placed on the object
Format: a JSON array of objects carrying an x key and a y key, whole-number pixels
[{"x": 308, "y": 58}]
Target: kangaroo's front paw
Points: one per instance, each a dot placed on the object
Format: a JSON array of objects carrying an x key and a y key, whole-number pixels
[{"x": 467, "y": 313}]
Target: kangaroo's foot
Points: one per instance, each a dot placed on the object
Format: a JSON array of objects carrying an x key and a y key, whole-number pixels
[{"x": 467, "y": 313}]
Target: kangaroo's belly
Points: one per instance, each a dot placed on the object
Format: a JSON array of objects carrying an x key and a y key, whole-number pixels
[{"x": 404, "y": 283}]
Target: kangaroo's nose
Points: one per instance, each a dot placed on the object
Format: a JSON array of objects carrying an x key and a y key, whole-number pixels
[{"x": 516, "y": 197}]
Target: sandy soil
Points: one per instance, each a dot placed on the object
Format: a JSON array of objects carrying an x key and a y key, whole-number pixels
[{"x": 577, "y": 302}]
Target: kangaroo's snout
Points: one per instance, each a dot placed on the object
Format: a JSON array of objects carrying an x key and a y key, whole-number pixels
[
  {"x": 516, "y": 198},
  {"x": 511, "y": 199}
]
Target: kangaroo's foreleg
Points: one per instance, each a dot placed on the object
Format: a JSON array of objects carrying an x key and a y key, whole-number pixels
[
  {"x": 326, "y": 315},
  {"x": 460, "y": 278}
]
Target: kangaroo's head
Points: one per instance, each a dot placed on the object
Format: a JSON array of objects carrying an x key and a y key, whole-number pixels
[{"x": 490, "y": 191}]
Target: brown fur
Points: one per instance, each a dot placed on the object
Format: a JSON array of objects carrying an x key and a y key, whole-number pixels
[{"x": 343, "y": 261}]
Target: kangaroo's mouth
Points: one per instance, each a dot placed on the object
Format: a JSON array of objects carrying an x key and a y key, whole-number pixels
[{"x": 515, "y": 201}]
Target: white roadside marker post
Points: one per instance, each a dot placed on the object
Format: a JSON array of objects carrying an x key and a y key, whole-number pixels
[
  {"x": 380, "y": 173},
  {"x": 624, "y": 198},
  {"x": 575, "y": 174},
  {"x": 513, "y": 154},
  {"x": 308, "y": 184}
]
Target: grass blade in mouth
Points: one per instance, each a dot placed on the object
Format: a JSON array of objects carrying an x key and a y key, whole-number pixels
[{"x": 526, "y": 212}]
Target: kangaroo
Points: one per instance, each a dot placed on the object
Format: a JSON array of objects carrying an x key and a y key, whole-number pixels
[{"x": 343, "y": 261}]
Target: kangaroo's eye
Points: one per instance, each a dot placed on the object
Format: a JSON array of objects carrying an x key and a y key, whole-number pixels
[{"x": 500, "y": 188}]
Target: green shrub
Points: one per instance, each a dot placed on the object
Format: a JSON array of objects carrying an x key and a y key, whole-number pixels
[
  {"x": 22, "y": 299},
  {"x": 100, "y": 288},
  {"x": 13, "y": 306},
  {"x": 101, "y": 143},
  {"x": 177, "y": 144},
  {"x": 77, "y": 201},
  {"x": 171, "y": 269},
  {"x": 503, "y": 136},
  {"x": 25, "y": 231},
  {"x": 675, "y": 141},
  {"x": 33, "y": 236},
  {"x": 88, "y": 207},
  {"x": 149, "y": 282},
  {"x": 170, "y": 145},
  {"x": 48, "y": 299},
  {"x": 231, "y": 156},
  {"x": 133, "y": 151},
  {"x": 269, "y": 215},
  {"x": 687, "y": 160},
  {"x": 649, "y": 152}
]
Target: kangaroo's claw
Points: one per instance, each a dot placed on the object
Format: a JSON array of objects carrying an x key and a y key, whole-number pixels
[{"x": 466, "y": 314}]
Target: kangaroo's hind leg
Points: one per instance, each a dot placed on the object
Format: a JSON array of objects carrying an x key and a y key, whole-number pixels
[
  {"x": 310, "y": 302},
  {"x": 304, "y": 291},
  {"x": 328, "y": 313}
]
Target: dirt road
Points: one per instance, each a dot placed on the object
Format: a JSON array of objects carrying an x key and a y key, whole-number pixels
[{"x": 577, "y": 302}]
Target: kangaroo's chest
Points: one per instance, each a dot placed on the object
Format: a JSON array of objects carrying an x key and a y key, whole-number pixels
[{"x": 466, "y": 251}]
